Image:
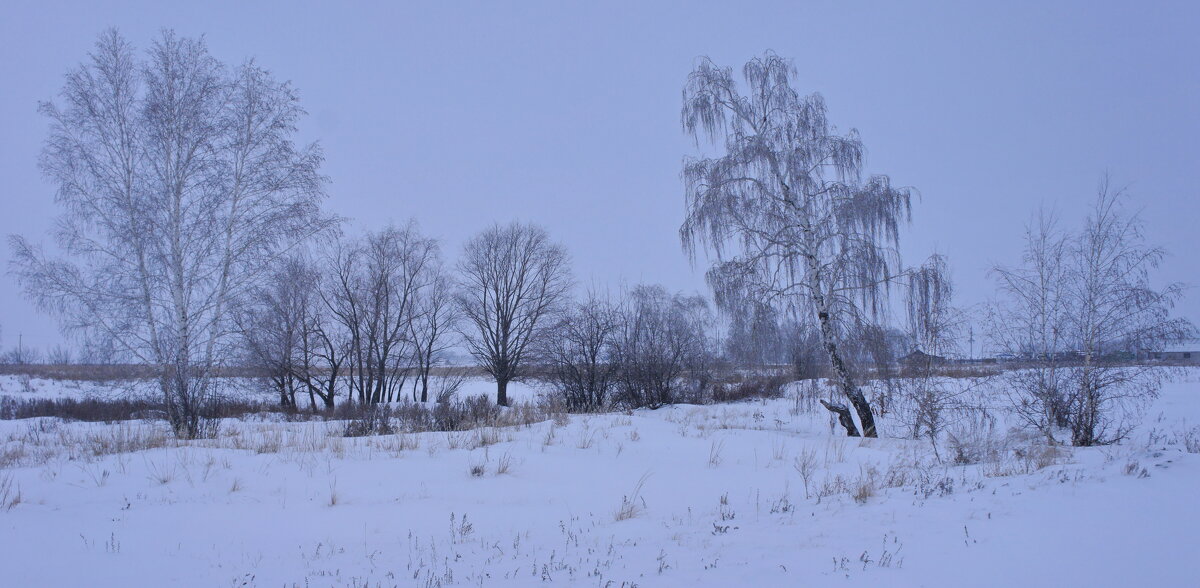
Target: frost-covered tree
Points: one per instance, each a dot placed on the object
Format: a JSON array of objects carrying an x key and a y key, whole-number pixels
[
  {"x": 933, "y": 322},
  {"x": 786, "y": 210},
  {"x": 512, "y": 280},
  {"x": 1115, "y": 312},
  {"x": 933, "y": 328},
  {"x": 1030, "y": 323},
  {"x": 1079, "y": 309},
  {"x": 180, "y": 184},
  {"x": 753, "y": 337}
]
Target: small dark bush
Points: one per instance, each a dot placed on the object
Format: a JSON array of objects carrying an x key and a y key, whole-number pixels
[
  {"x": 96, "y": 410},
  {"x": 449, "y": 414},
  {"x": 75, "y": 410},
  {"x": 467, "y": 413},
  {"x": 370, "y": 420},
  {"x": 747, "y": 387}
]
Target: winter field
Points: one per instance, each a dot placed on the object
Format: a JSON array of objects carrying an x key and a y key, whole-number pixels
[{"x": 751, "y": 493}]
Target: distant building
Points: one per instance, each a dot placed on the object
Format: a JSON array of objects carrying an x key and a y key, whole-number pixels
[
  {"x": 919, "y": 358},
  {"x": 1179, "y": 353}
]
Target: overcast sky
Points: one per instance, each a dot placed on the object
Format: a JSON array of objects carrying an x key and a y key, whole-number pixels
[{"x": 566, "y": 114}]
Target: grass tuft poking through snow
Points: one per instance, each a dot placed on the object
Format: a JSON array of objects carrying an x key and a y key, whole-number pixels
[
  {"x": 10, "y": 492},
  {"x": 633, "y": 504}
]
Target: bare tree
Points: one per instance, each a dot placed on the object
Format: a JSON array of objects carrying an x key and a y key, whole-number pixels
[
  {"x": 432, "y": 328},
  {"x": 808, "y": 358},
  {"x": 512, "y": 280},
  {"x": 324, "y": 354},
  {"x": 661, "y": 347},
  {"x": 1031, "y": 323},
  {"x": 373, "y": 293},
  {"x": 786, "y": 210},
  {"x": 21, "y": 355},
  {"x": 1114, "y": 313},
  {"x": 60, "y": 355},
  {"x": 933, "y": 325},
  {"x": 580, "y": 354},
  {"x": 1080, "y": 309},
  {"x": 875, "y": 348},
  {"x": 287, "y": 332},
  {"x": 753, "y": 337},
  {"x": 180, "y": 184},
  {"x": 270, "y": 322}
]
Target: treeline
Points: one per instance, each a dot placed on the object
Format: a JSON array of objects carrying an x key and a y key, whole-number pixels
[{"x": 193, "y": 237}]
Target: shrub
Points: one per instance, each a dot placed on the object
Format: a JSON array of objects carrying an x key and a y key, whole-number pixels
[
  {"x": 127, "y": 409},
  {"x": 370, "y": 420},
  {"x": 749, "y": 387}
]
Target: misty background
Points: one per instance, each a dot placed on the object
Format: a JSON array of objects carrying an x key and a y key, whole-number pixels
[{"x": 566, "y": 115}]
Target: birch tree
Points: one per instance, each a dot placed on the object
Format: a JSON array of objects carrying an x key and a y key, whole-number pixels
[
  {"x": 1079, "y": 309},
  {"x": 180, "y": 184},
  {"x": 1115, "y": 312},
  {"x": 512, "y": 279},
  {"x": 933, "y": 325},
  {"x": 1030, "y": 323},
  {"x": 786, "y": 211}
]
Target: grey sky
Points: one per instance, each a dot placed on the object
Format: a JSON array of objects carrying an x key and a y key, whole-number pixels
[{"x": 567, "y": 114}]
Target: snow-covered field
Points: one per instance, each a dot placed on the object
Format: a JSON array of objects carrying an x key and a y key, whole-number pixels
[{"x": 756, "y": 493}]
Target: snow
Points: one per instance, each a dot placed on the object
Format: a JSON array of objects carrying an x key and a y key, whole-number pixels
[
  {"x": 275, "y": 503},
  {"x": 25, "y": 387},
  {"x": 516, "y": 391}
]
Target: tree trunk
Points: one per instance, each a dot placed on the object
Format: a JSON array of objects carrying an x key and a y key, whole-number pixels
[
  {"x": 502, "y": 391},
  {"x": 844, "y": 417},
  {"x": 846, "y": 384},
  {"x": 291, "y": 386},
  {"x": 331, "y": 391}
]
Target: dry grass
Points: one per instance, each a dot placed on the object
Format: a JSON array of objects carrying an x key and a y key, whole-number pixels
[
  {"x": 632, "y": 504},
  {"x": 714, "y": 453},
  {"x": 487, "y": 436},
  {"x": 504, "y": 464},
  {"x": 1023, "y": 460},
  {"x": 12, "y": 455},
  {"x": 863, "y": 490},
  {"x": 805, "y": 465},
  {"x": 587, "y": 437},
  {"x": 10, "y": 493},
  {"x": 160, "y": 473},
  {"x": 334, "y": 497}
]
